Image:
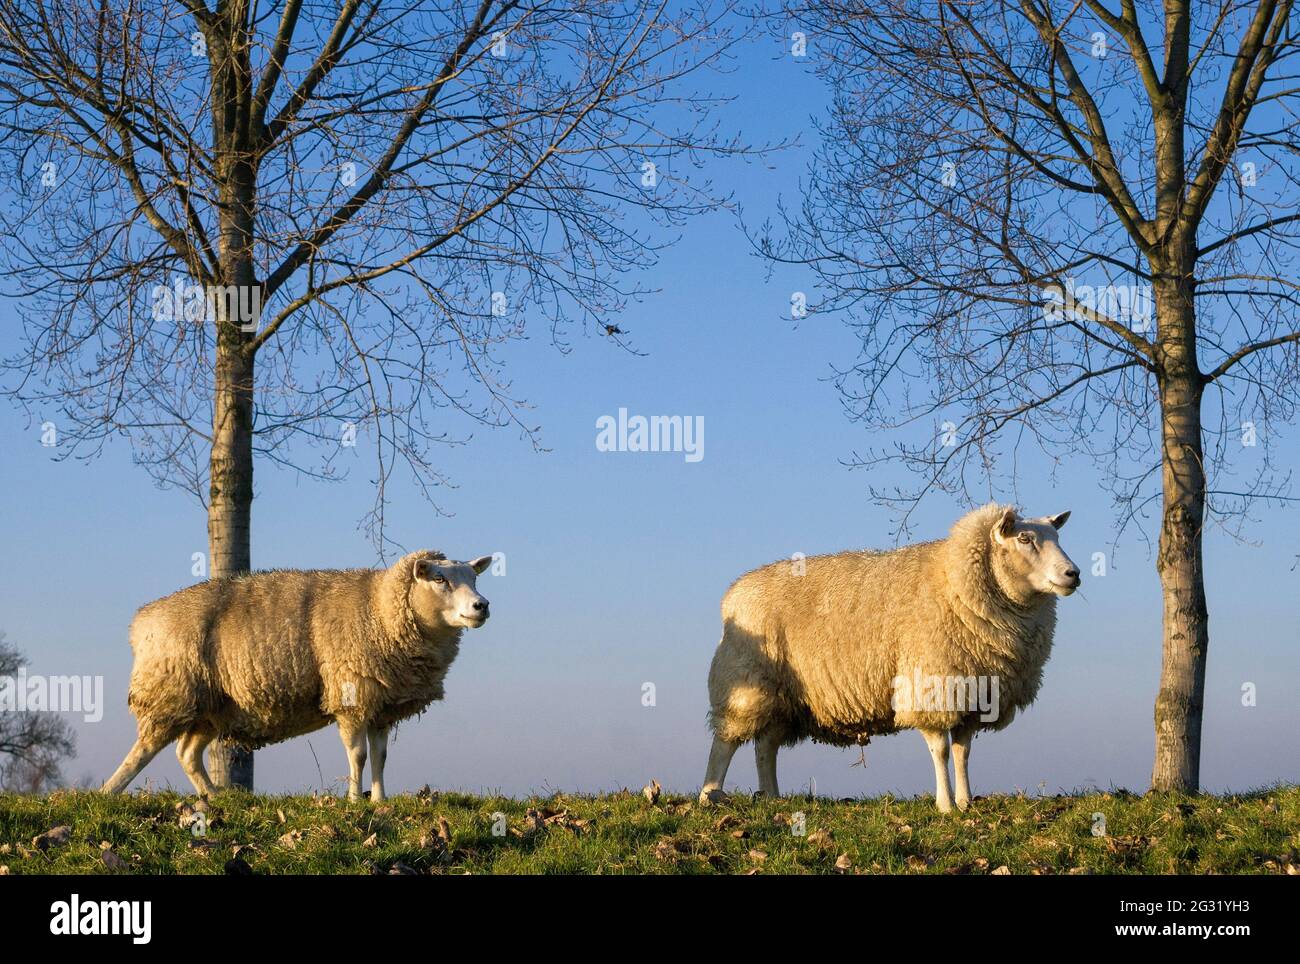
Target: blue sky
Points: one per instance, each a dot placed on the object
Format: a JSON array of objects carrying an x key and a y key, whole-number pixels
[{"x": 616, "y": 561}]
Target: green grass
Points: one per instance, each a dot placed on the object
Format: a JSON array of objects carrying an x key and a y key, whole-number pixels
[{"x": 624, "y": 833}]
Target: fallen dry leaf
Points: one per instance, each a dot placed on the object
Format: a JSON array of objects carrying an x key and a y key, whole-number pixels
[
  {"x": 111, "y": 860},
  {"x": 820, "y": 838},
  {"x": 1124, "y": 845},
  {"x": 187, "y": 815},
  {"x": 668, "y": 849},
  {"x": 54, "y": 837},
  {"x": 534, "y": 821}
]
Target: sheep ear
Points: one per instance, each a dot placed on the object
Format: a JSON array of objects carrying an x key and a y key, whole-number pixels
[
  {"x": 423, "y": 569},
  {"x": 1059, "y": 520},
  {"x": 480, "y": 564},
  {"x": 1005, "y": 526}
]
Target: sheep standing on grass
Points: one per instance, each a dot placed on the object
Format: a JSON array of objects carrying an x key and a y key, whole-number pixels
[
  {"x": 844, "y": 647},
  {"x": 258, "y": 658}
]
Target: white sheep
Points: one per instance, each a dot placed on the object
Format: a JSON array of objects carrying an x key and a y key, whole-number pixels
[
  {"x": 943, "y": 637},
  {"x": 262, "y": 657}
]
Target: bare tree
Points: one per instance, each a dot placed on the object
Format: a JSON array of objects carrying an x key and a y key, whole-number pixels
[
  {"x": 33, "y": 744},
  {"x": 241, "y": 226},
  {"x": 1007, "y": 192}
]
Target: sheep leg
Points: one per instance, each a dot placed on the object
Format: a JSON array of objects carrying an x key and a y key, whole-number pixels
[
  {"x": 378, "y": 757},
  {"x": 353, "y": 735},
  {"x": 189, "y": 750},
  {"x": 937, "y": 741},
  {"x": 961, "y": 739},
  {"x": 136, "y": 760},
  {"x": 765, "y": 747},
  {"x": 715, "y": 774}
]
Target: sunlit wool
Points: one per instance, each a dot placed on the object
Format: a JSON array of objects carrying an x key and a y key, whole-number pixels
[
  {"x": 816, "y": 648},
  {"x": 258, "y": 658}
]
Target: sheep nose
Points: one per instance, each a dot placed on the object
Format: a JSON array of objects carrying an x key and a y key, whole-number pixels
[
  {"x": 1072, "y": 573},
  {"x": 481, "y": 606}
]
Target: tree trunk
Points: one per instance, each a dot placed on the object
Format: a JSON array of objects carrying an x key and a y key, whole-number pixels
[
  {"x": 230, "y": 503},
  {"x": 1180, "y": 702}
]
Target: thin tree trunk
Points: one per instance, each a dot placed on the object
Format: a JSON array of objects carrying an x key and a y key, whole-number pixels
[
  {"x": 230, "y": 504},
  {"x": 1180, "y": 702}
]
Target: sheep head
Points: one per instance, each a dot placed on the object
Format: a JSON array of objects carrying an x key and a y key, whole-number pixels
[
  {"x": 1028, "y": 558},
  {"x": 443, "y": 594}
]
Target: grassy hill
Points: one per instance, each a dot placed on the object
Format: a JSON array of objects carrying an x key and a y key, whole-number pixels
[{"x": 430, "y": 832}]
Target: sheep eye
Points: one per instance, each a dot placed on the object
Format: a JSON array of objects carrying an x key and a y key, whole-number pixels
[
  {"x": 1026, "y": 538},
  {"x": 439, "y": 579}
]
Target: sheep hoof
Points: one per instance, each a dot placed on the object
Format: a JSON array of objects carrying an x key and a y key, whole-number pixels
[
  {"x": 963, "y": 805},
  {"x": 944, "y": 806},
  {"x": 712, "y": 798}
]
